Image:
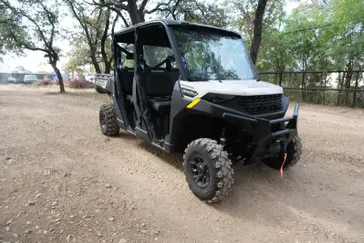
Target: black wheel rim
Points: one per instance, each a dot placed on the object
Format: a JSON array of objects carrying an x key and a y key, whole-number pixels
[
  {"x": 200, "y": 171},
  {"x": 103, "y": 120}
]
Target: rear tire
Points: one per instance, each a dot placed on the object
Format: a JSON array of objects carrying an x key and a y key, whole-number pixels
[
  {"x": 294, "y": 152},
  {"x": 208, "y": 170},
  {"x": 107, "y": 119}
]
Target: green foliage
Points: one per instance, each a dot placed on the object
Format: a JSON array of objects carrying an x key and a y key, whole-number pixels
[
  {"x": 28, "y": 24},
  {"x": 9, "y": 27},
  {"x": 92, "y": 37},
  {"x": 196, "y": 11},
  {"x": 31, "y": 25},
  {"x": 78, "y": 57},
  {"x": 315, "y": 36}
]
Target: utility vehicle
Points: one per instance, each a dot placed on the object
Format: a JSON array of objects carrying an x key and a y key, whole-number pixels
[{"x": 192, "y": 89}]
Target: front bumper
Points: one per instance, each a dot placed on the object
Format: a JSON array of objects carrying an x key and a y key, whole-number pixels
[{"x": 264, "y": 131}]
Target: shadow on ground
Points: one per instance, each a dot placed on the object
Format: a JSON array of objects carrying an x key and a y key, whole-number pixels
[{"x": 256, "y": 186}]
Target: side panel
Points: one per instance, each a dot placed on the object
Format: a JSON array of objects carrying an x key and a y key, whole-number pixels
[{"x": 178, "y": 104}]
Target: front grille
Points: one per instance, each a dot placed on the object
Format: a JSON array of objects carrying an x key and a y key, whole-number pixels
[{"x": 260, "y": 104}]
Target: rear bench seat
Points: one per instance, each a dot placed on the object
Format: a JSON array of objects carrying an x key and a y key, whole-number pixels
[{"x": 159, "y": 86}]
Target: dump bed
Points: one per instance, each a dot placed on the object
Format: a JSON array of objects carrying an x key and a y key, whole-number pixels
[{"x": 103, "y": 83}]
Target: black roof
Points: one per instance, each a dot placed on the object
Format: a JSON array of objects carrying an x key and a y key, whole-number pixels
[{"x": 169, "y": 22}]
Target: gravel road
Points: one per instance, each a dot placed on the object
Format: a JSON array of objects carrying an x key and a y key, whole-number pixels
[{"x": 61, "y": 180}]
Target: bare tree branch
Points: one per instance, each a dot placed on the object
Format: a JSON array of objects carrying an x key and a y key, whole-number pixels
[
  {"x": 27, "y": 46},
  {"x": 118, "y": 5},
  {"x": 159, "y": 7},
  {"x": 104, "y": 36},
  {"x": 21, "y": 12},
  {"x": 142, "y": 6},
  {"x": 113, "y": 25},
  {"x": 51, "y": 20},
  {"x": 112, "y": 34},
  {"x": 124, "y": 20}
]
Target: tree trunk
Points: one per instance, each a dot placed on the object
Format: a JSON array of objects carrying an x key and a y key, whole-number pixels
[
  {"x": 107, "y": 66},
  {"x": 135, "y": 16},
  {"x": 103, "y": 43},
  {"x": 341, "y": 82},
  {"x": 356, "y": 86},
  {"x": 348, "y": 80},
  {"x": 303, "y": 85},
  {"x": 94, "y": 61},
  {"x": 280, "y": 78},
  {"x": 258, "y": 28},
  {"x": 59, "y": 77},
  {"x": 325, "y": 85}
]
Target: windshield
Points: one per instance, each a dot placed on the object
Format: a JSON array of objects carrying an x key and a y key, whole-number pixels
[{"x": 213, "y": 55}]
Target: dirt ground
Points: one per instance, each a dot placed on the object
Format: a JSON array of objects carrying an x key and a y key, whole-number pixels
[{"x": 61, "y": 180}]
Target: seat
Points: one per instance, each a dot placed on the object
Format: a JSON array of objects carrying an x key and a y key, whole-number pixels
[
  {"x": 126, "y": 76},
  {"x": 160, "y": 106},
  {"x": 159, "y": 88}
]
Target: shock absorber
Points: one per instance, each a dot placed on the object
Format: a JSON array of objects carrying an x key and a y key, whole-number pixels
[
  {"x": 284, "y": 147},
  {"x": 283, "y": 144},
  {"x": 223, "y": 136}
]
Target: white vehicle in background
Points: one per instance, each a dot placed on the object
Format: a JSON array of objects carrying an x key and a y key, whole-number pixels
[
  {"x": 30, "y": 78},
  {"x": 12, "y": 80}
]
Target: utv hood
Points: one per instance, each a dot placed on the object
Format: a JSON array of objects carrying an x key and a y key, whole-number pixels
[{"x": 233, "y": 87}]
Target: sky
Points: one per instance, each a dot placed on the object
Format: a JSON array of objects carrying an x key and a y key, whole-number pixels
[{"x": 35, "y": 62}]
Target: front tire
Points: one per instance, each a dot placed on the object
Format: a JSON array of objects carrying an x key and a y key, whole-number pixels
[
  {"x": 208, "y": 170},
  {"x": 294, "y": 152},
  {"x": 107, "y": 119}
]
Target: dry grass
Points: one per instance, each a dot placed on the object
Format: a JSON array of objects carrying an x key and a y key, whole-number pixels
[{"x": 77, "y": 84}]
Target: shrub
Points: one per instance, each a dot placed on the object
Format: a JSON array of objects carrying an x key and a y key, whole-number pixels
[
  {"x": 77, "y": 84},
  {"x": 43, "y": 82}
]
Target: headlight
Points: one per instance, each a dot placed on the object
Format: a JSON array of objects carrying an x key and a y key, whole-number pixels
[
  {"x": 218, "y": 98},
  {"x": 189, "y": 93}
]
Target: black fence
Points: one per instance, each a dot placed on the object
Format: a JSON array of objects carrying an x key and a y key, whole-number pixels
[{"x": 341, "y": 88}]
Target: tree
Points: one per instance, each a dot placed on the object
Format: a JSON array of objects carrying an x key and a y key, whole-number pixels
[
  {"x": 254, "y": 18},
  {"x": 136, "y": 13},
  {"x": 37, "y": 30},
  {"x": 258, "y": 29},
  {"x": 189, "y": 10},
  {"x": 9, "y": 24},
  {"x": 21, "y": 69},
  {"x": 195, "y": 11},
  {"x": 96, "y": 27},
  {"x": 78, "y": 58}
]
